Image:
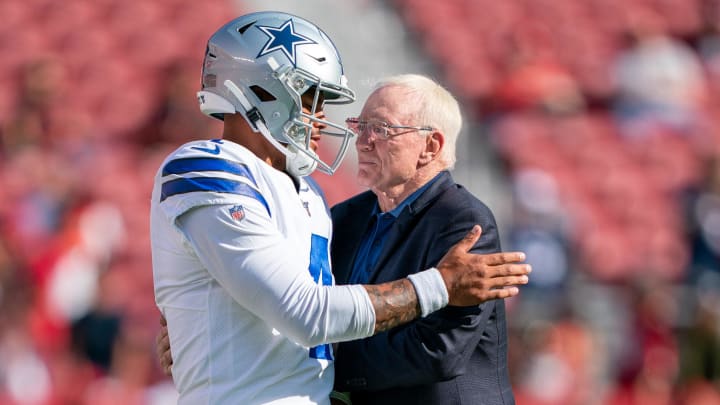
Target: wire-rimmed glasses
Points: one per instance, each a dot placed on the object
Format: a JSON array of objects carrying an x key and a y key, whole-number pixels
[{"x": 380, "y": 129}]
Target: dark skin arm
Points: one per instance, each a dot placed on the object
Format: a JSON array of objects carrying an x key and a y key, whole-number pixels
[{"x": 470, "y": 279}]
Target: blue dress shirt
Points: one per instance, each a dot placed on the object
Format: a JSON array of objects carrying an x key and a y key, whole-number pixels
[{"x": 376, "y": 234}]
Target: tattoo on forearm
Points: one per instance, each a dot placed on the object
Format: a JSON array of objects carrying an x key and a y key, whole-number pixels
[{"x": 395, "y": 303}]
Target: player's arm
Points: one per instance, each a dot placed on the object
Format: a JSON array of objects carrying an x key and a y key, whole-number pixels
[
  {"x": 465, "y": 277},
  {"x": 469, "y": 279},
  {"x": 252, "y": 261}
]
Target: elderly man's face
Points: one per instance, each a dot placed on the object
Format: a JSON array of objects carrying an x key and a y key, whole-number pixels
[{"x": 386, "y": 163}]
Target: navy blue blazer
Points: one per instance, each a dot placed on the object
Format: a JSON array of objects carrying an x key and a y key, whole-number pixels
[{"x": 457, "y": 355}]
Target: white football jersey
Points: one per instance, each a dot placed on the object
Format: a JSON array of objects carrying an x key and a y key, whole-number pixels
[{"x": 241, "y": 269}]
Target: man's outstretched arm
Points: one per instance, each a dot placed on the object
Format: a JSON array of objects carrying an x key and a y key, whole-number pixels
[
  {"x": 470, "y": 279},
  {"x": 463, "y": 278}
]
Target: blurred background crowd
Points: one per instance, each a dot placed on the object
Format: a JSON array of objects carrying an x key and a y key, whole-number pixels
[{"x": 597, "y": 121}]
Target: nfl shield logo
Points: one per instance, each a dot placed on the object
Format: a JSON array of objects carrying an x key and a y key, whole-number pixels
[{"x": 237, "y": 212}]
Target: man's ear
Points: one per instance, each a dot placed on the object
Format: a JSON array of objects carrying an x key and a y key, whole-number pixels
[{"x": 433, "y": 147}]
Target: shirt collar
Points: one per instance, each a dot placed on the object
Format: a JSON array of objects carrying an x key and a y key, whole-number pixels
[{"x": 395, "y": 212}]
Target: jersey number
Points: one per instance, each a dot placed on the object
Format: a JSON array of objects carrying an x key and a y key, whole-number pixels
[{"x": 320, "y": 267}]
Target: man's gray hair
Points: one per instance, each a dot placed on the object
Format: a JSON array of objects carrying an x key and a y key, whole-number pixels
[{"x": 436, "y": 107}]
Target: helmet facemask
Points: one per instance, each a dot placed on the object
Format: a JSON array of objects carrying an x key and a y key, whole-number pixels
[{"x": 297, "y": 132}]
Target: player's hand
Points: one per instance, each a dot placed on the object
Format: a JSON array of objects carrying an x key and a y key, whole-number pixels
[
  {"x": 162, "y": 348},
  {"x": 473, "y": 278}
]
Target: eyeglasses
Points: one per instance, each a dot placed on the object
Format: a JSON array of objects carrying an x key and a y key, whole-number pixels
[{"x": 381, "y": 129}]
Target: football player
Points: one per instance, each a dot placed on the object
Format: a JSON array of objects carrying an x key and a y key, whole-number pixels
[{"x": 240, "y": 237}]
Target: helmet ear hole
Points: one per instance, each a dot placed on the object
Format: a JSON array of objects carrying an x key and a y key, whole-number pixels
[{"x": 262, "y": 94}]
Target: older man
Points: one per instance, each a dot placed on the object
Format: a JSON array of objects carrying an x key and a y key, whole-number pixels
[{"x": 412, "y": 214}]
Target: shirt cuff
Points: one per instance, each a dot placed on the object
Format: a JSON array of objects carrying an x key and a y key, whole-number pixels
[{"x": 430, "y": 290}]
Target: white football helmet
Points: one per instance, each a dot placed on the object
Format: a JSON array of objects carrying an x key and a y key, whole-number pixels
[{"x": 260, "y": 65}]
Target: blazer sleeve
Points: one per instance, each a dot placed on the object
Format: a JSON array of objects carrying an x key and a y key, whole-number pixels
[{"x": 432, "y": 349}]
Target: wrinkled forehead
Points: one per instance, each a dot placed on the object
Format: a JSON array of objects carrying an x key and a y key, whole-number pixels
[{"x": 391, "y": 103}]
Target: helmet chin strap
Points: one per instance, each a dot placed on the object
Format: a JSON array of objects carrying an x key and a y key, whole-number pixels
[{"x": 297, "y": 163}]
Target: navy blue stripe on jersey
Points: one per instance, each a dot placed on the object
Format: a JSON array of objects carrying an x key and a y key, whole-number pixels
[
  {"x": 211, "y": 184},
  {"x": 203, "y": 164}
]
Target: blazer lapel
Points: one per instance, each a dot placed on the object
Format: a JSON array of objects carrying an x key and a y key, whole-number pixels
[{"x": 403, "y": 226}]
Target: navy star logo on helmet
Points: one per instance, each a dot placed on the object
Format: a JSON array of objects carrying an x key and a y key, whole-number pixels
[{"x": 283, "y": 38}]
